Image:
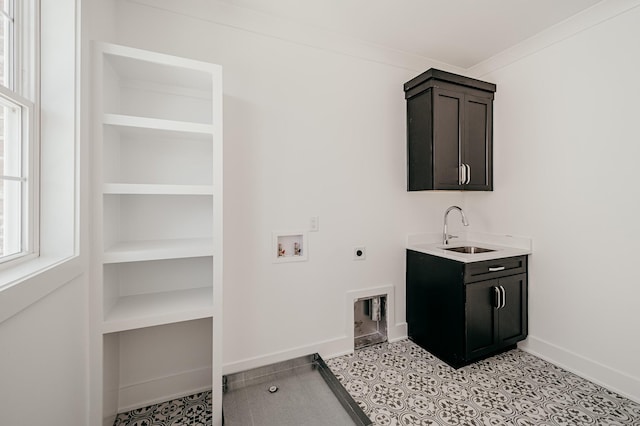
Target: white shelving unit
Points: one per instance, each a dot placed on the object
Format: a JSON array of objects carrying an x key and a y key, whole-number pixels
[{"x": 158, "y": 230}]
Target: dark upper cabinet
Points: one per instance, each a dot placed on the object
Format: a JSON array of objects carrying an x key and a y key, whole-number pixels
[
  {"x": 462, "y": 312},
  {"x": 449, "y": 132}
]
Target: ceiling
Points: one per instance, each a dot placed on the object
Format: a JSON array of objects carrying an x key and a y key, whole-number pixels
[{"x": 462, "y": 33}]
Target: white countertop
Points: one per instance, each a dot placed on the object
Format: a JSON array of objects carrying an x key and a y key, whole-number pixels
[{"x": 503, "y": 246}]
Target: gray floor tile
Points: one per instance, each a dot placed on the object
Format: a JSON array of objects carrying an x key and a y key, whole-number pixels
[{"x": 402, "y": 384}]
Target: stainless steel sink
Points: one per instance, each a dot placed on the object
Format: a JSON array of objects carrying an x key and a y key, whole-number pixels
[{"x": 469, "y": 250}]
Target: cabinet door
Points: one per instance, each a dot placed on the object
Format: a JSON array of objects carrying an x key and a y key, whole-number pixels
[
  {"x": 512, "y": 318},
  {"x": 477, "y": 146},
  {"x": 480, "y": 315},
  {"x": 447, "y": 128},
  {"x": 420, "y": 142}
]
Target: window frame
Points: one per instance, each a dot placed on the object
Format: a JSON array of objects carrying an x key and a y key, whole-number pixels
[
  {"x": 10, "y": 44},
  {"x": 61, "y": 118},
  {"x": 22, "y": 89}
]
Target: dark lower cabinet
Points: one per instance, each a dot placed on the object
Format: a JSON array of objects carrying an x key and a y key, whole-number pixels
[
  {"x": 490, "y": 326},
  {"x": 463, "y": 312}
]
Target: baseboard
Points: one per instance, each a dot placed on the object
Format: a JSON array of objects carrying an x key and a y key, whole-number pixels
[
  {"x": 334, "y": 347},
  {"x": 327, "y": 346},
  {"x": 401, "y": 332},
  {"x": 162, "y": 389},
  {"x": 594, "y": 371},
  {"x": 327, "y": 349}
]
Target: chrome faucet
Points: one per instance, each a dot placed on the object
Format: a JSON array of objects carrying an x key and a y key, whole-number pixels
[{"x": 445, "y": 234}]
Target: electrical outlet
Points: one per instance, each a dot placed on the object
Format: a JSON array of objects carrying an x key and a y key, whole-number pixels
[
  {"x": 359, "y": 253},
  {"x": 314, "y": 223}
]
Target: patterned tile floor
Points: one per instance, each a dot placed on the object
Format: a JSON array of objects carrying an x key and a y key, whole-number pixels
[
  {"x": 192, "y": 410},
  {"x": 402, "y": 384}
]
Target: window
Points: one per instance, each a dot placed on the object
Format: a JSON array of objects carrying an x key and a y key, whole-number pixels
[
  {"x": 46, "y": 74},
  {"x": 17, "y": 142}
]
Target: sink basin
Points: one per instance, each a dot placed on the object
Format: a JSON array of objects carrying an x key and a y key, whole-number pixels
[{"x": 469, "y": 250}]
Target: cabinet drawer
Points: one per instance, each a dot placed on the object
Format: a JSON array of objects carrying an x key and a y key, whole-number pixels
[{"x": 497, "y": 268}]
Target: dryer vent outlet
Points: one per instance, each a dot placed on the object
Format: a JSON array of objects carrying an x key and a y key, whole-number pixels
[{"x": 370, "y": 321}]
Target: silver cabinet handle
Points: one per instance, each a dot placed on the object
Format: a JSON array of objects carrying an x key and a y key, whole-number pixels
[
  {"x": 496, "y": 292},
  {"x": 496, "y": 268},
  {"x": 460, "y": 163},
  {"x": 462, "y": 174},
  {"x": 468, "y": 173},
  {"x": 504, "y": 297}
]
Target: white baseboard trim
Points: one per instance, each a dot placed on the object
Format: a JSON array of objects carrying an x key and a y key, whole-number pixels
[
  {"x": 166, "y": 388},
  {"x": 594, "y": 371},
  {"x": 401, "y": 333},
  {"x": 334, "y": 347},
  {"x": 327, "y": 349}
]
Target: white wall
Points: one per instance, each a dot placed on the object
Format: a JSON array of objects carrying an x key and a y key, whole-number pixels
[
  {"x": 43, "y": 359},
  {"x": 316, "y": 128},
  {"x": 309, "y": 131},
  {"x": 566, "y": 141},
  {"x": 43, "y": 318}
]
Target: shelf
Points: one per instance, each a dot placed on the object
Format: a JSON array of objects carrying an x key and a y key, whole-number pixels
[
  {"x": 156, "y": 189},
  {"x": 151, "y": 133},
  {"x": 137, "y": 251},
  {"x": 147, "y": 310},
  {"x": 137, "y": 64},
  {"x": 156, "y": 124}
]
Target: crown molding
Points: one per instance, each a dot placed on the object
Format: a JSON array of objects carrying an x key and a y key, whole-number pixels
[
  {"x": 243, "y": 19},
  {"x": 589, "y": 18},
  {"x": 238, "y": 18}
]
